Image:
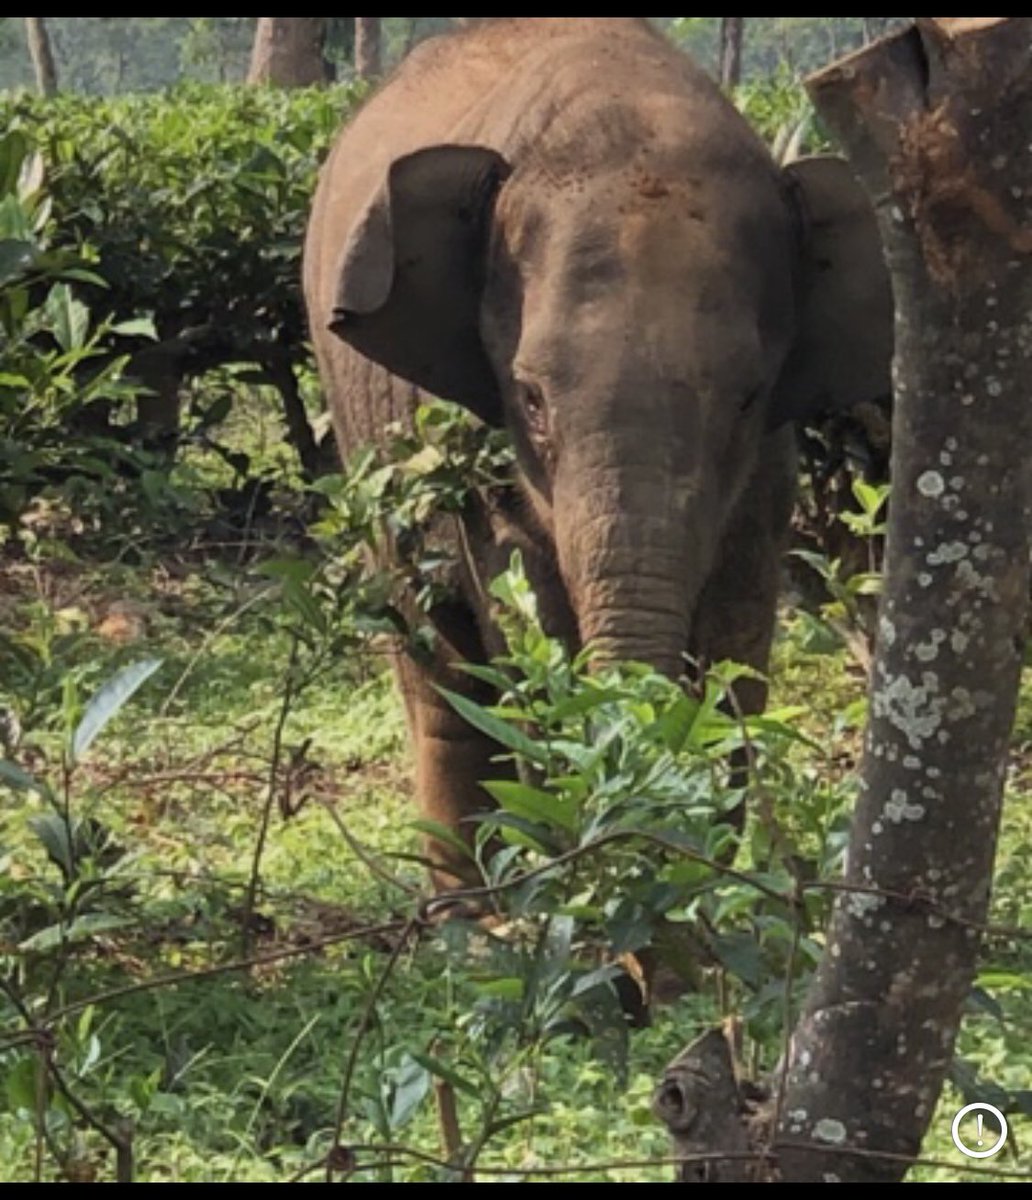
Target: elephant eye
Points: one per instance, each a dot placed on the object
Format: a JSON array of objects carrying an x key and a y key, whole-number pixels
[
  {"x": 750, "y": 400},
  {"x": 535, "y": 412}
]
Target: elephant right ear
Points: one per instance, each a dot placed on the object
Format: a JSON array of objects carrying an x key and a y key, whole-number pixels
[
  {"x": 412, "y": 271},
  {"x": 843, "y": 349}
]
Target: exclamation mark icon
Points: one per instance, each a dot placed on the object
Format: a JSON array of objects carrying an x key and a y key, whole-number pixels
[{"x": 979, "y": 1129}]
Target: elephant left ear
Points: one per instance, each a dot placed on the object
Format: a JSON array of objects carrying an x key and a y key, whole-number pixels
[
  {"x": 842, "y": 354},
  {"x": 411, "y": 273}
]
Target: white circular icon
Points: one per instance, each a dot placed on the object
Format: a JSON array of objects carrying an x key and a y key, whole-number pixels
[{"x": 981, "y": 1150}]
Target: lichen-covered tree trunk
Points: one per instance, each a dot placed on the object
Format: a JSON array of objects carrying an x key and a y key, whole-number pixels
[
  {"x": 936, "y": 123},
  {"x": 368, "y": 57},
  {"x": 288, "y": 52},
  {"x": 42, "y": 55},
  {"x": 731, "y": 33}
]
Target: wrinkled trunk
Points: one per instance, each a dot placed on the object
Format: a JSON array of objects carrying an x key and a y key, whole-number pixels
[{"x": 633, "y": 570}]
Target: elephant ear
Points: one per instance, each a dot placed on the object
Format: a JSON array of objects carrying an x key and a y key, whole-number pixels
[
  {"x": 843, "y": 349},
  {"x": 411, "y": 274}
]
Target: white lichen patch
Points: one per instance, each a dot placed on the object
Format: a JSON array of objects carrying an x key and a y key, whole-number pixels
[
  {"x": 924, "y": 579},
  {"x": 898, "y": 808},
  {"x": 915, "y": 709},
  {"x": 971, "y": 581},
  {"x": 911, "y": 763},
  {"x": 962, "y": 704},
  {"x": 948, "y": 552},
  {"x": 862, "y": 904},
  {"x": 926, "y": 651},
  {"x": 886, "y": 631},
  {"x": 931, "y": 484},
  {"x": 828, "y": 1129}
]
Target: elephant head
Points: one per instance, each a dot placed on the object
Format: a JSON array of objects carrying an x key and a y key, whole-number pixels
[{"x": 641, "y": 323}]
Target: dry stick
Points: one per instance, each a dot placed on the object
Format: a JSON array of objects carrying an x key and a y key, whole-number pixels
[
  {"x": 219, "y": 629},
  {"x": 289, "y": 689},
  {"x": 629, "y": 1164},
  {"x": 365, "y": 1021},
  {"x": 177, "y": 977},
  {"x": 448, "y": 1122},
  {"x": 911, "y": 899},
  {"x": 786, "y": 1017},
  {"x": 363, "y": 854},
  {"x": 39, "y": 1116},
  {"x": 122, "y": 1144}
]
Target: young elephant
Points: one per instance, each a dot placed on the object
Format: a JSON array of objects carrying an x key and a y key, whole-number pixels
[{"x": 562, "y": 224}]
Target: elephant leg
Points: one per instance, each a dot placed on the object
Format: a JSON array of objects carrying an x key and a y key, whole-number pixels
[{"x": 451, "y": 757}]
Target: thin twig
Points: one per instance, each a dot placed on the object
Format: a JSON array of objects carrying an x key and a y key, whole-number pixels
[
  {"x": 448, "y": 1126},
  {"x": 787, "y": 1026},
  {"x": 364, "y": 855},
  {"x": 122, "y": 1144},
  {"x": 364, "y": 1022},
  {"x": 630, "y": 1164},
  {"x": 290, "y": 687},
  {"x": 178, "y": 977},
  {"x": 219, "y": 629}
]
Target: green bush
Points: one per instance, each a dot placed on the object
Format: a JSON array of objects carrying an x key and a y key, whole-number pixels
[{"x": 191, "y": 207}]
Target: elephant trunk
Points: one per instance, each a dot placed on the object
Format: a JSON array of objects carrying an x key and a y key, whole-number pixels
[
  {"x": 638, "y": 619},
  {"x": 634, "y": 564}
]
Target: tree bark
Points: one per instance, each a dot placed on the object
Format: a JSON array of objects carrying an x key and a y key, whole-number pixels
[
  {"x": 731, "y": 33},
  {"x": 935, "y": 122},
  {"x": 288, "y": 52},
  {"x": 368, "y": 59},
  {"x": 42, "y": 55}
]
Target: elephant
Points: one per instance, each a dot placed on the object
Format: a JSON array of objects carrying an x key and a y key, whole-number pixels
[{"x": 564, "y": 226}]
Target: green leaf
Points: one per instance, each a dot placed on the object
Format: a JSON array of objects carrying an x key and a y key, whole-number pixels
[
  {"x": 80, "y": 930},
  {"x": 442, "y": 833},
  {"x": 441, "y": 1069},
  {"x": 1004, "y": 981},
  {"x": 508, "y": 988},
  {"x": 21, "y": 781},
  {"x": 740, "y": 953},
  {"x": 675, "y": 725},
  {"x": 498, "y": 730},
  {"x": 20, "y": 1083},
  {"x": 16, "y": 257},
  {"x": 137, "y": 327},
  {"x": 69, "y": 318},
  {"x": 521, "y": 832},
  {"x": 14, "y": 149},
  {"x": 532, "y": 803},
  {"x": 410, "y": 1083},
  {"x": 111, "y": 698},
  {"x": 56, "y": 838}
]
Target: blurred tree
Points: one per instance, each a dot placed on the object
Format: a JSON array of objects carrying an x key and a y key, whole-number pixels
[
  {"x": 368, "y": 56},
  {"x": 288, "y": 52},
  {"x": 42, "y": 56},
  {"x": 731, "y": 33}
]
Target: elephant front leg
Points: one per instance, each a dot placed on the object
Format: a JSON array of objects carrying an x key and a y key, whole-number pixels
[{"x": 451, "y": 757}]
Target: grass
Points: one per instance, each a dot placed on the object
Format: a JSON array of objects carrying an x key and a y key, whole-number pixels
[{"x": 237, "y": 1076}]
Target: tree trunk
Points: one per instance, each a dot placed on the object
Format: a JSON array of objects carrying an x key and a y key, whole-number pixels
[
  {"x": 368, "y": 63},
  {"x": 935, "y": 122},
  {"x": 288, "y": 52},
  {"x": 731, "y": 31},
  {"x": 42, "y": 55}
]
